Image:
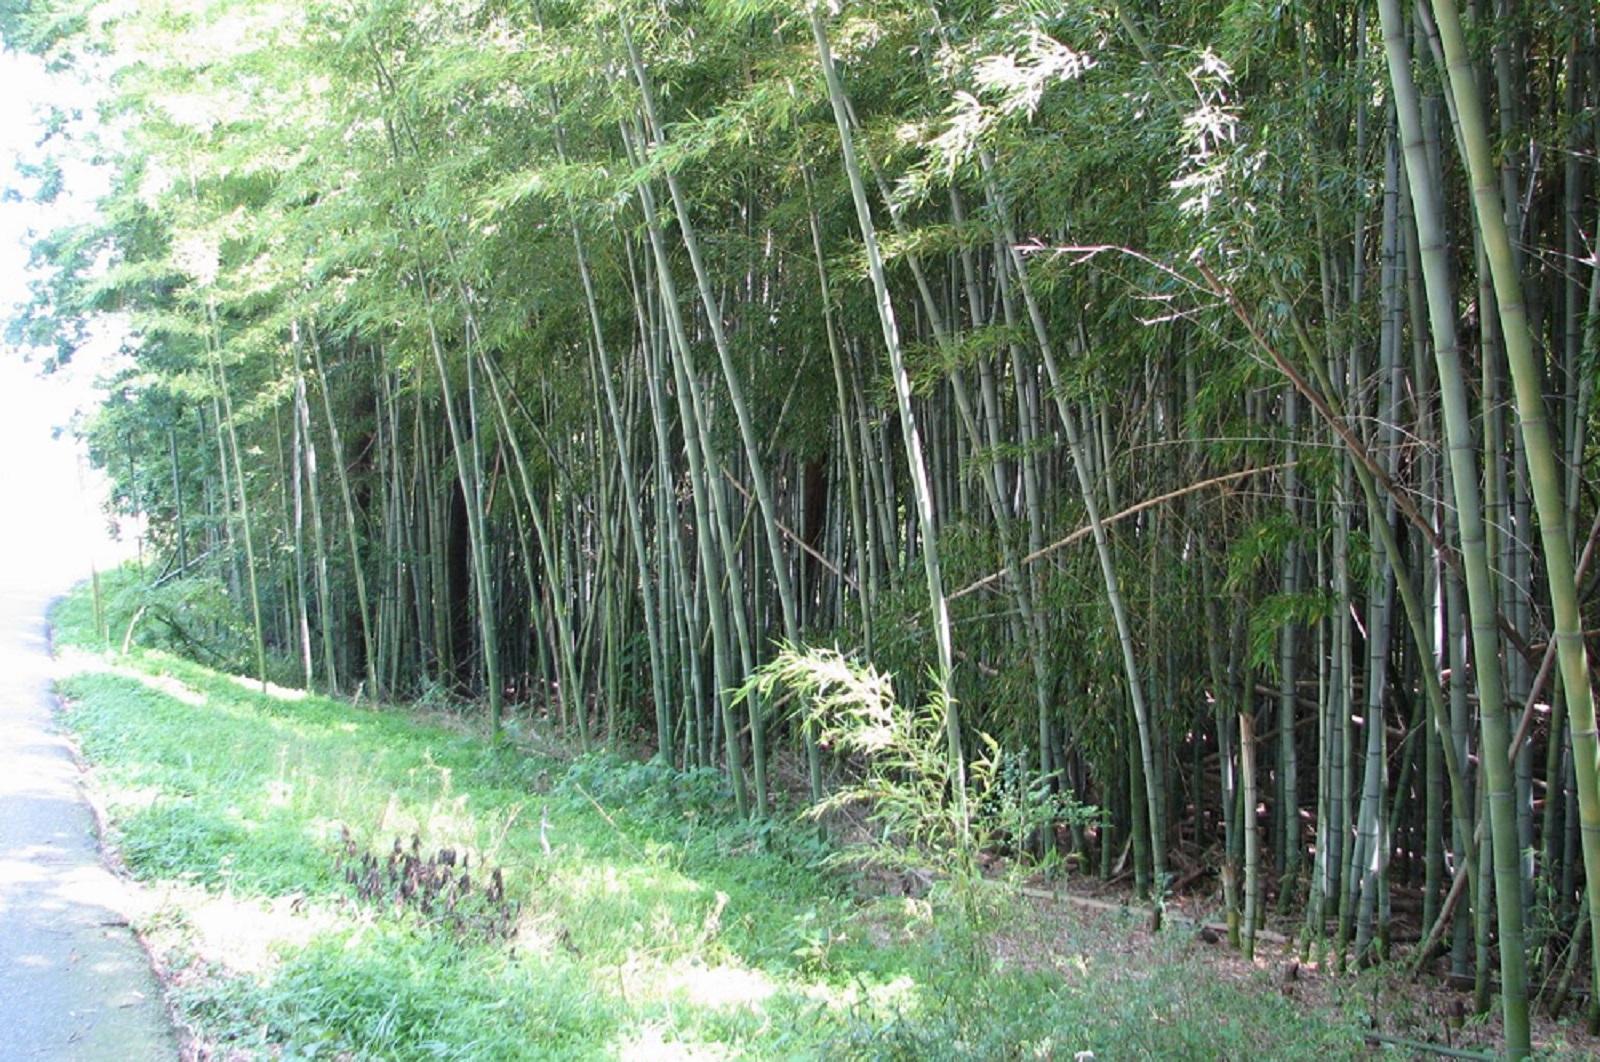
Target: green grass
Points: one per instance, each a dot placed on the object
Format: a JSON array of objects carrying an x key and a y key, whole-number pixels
[{"x": 657, "y": 925}]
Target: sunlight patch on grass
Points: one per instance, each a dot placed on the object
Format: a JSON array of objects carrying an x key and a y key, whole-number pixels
[
  {"x": 273, "y": 690},
  {"x": 129, "y": 798},
  {"x": 76, "y": 661},
  {"x": 649, "y": 1044},
  {"x": 900, "y": 993},
  {"x": 691, "y": 982},
  {"x": 719, "y": 986},
  {"x": 168, "y": 685},
  {"x": 442, "y": 822},
  {"x": 249, "y": 935},
  {"x": 538, "y": 934}
]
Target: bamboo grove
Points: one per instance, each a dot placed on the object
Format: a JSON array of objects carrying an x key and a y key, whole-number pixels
[{"x": 1192, "y": 398}]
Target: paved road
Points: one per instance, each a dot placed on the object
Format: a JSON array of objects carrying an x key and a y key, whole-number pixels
[{"x": 74, "y": 982}]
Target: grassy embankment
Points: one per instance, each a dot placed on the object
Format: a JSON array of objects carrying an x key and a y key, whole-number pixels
[{"x": 650, "y": 922}]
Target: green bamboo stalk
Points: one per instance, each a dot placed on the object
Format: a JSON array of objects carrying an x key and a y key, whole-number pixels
[
  {"x": 297, "y": 534},
  {"x": 631, "y": 497},
  {"x": 1288, "y": 669},
  {"x": 1252, "y": 838}
]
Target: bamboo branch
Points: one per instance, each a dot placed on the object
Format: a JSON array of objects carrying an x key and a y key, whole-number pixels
[
  {"x": 1543, "y": 676},
  {"x": 1148, "y": 503},
  {"x": 802, "y": 543}
]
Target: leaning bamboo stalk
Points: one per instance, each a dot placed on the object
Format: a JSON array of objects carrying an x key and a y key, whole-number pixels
[
  {"x": 1028, "y": 628},
  {"x": 297, "y": 536},
  {"x": 1086, "y": 490},
  {"x": 1086, "y": 530},
  {"x": 862, "y": 584},
  {"x": 569, "y": 690},
  {"x": 730, "y": 374},
  {"x": 1533, "y": 422},
  {"x": 364, "y": 614},
  {"x": 214, "y": 342},
  {"x": 902, "y": 388},
  {"x": 631, "y": 497},
  {"x": 701, "y": 456},
  {"x": 1428, "y": 216}
]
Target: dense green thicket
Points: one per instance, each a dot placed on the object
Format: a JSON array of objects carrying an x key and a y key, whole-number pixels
[{"x": 1191, "y": 400}]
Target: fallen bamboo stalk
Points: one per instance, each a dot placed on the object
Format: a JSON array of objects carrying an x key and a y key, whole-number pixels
[
  {"x": 1426, "y": 1047},
  {"x": 1262, "y": 935}
]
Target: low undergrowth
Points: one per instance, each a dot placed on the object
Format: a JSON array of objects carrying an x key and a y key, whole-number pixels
[{"x": 650, "y": 922}]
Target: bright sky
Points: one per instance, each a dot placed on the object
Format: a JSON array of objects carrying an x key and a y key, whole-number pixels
[{"x": 49, "y": 531}]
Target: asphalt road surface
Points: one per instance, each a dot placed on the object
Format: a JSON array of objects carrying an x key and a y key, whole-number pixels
[{"x": 74, "y": 982}]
